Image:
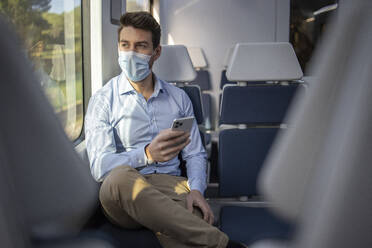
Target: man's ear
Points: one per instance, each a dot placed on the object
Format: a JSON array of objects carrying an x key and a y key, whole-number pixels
[{"x": 157, "y": 52}]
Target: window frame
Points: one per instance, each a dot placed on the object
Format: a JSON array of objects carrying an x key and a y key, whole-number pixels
[{"x": 86, "y": 70}]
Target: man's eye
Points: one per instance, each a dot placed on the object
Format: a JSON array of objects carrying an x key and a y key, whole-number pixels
[{"x": 124, "y": 45}]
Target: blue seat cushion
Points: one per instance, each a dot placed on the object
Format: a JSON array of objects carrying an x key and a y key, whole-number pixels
[
  {"x": 259, "y": 104},
  {"x": 241, "y": 154},
  {"x": 120, "y": 237},
  {"x": 248, "y": 224},
  {"x": 116, "y": 236}
]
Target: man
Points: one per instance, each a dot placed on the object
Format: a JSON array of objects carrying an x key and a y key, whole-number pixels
[{"x": 134, "y": 152}]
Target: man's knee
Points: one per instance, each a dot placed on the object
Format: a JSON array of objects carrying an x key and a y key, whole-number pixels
[
  {"x": 116, "y": 198},
  {"x": 117, "y": 184}
]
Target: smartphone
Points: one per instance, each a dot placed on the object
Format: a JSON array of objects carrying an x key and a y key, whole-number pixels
[{"x": 183, "y": 124}]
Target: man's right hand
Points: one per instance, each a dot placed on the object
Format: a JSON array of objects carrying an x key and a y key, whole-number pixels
[{"x": 166, "y": 145}]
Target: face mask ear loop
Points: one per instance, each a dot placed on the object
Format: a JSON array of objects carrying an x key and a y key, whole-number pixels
[{"x": 153, "y": 53}]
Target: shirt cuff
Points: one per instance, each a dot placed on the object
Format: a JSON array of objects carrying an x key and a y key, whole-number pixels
[
  {"x": 197, "y": 184},
  {"x": 139, "y": 159}
]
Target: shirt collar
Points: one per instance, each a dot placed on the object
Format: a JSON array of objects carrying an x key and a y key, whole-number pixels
[
  {"x": 126, "y": 87},
  {"x": 159, "y": 87}
]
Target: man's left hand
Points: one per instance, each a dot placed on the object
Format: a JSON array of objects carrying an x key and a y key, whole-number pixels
[{"x": 195, "y": 198}]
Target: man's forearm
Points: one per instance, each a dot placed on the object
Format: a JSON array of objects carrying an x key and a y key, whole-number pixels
[
  {"x": 197, "y": 173},
  {"x": 105, "y": 162}
]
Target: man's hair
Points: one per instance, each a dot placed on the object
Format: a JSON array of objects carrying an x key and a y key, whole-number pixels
[{"x": 141, "y": 20}]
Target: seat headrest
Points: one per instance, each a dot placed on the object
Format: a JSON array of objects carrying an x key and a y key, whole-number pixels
[
  {"x": 197, "y": 57},
  {"x": 174, "y": 64},
  {"x": 272, "y": 61}
]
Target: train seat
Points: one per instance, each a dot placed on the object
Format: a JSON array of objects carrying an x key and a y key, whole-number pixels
[
  {"x": 267, "y": 225},
  {"x": 122, "y": 238},
  {"x": 53, "y": 193},
  {"x": 244, "y": 147}
]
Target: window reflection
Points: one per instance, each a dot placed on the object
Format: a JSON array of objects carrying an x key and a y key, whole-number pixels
[
  {"x": 308, "y": 23},
  {"x": 51, "y": 34}
]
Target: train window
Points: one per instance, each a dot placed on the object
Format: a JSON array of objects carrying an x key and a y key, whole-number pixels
[
  {"x": 52, "y": 37},
  {"x": 138, "y": 5},
  {"x": 308, "y": 22}
]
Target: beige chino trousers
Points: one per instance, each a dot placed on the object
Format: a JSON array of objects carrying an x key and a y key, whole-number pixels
[{"x": 158, "y": 202}]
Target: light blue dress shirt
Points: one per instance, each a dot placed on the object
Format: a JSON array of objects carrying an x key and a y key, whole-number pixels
[{"x": 120, "y": 122}]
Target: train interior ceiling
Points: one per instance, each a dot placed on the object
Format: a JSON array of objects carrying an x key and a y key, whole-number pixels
[{"x": 280, "y": 92}]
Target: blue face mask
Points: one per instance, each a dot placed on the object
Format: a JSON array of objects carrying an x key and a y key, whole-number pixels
[{"x": 134, "y": 65}]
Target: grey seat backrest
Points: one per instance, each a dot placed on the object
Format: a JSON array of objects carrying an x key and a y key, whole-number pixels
[
  {"x": 12, "y": 233},
  {"x": 320, "y": 171},
  {"x": 53, "y": 188},
  {"x": 343, "y": 216}
]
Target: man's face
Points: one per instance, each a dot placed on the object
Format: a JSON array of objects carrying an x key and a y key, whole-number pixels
[{"x": 139, "y": 41}]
